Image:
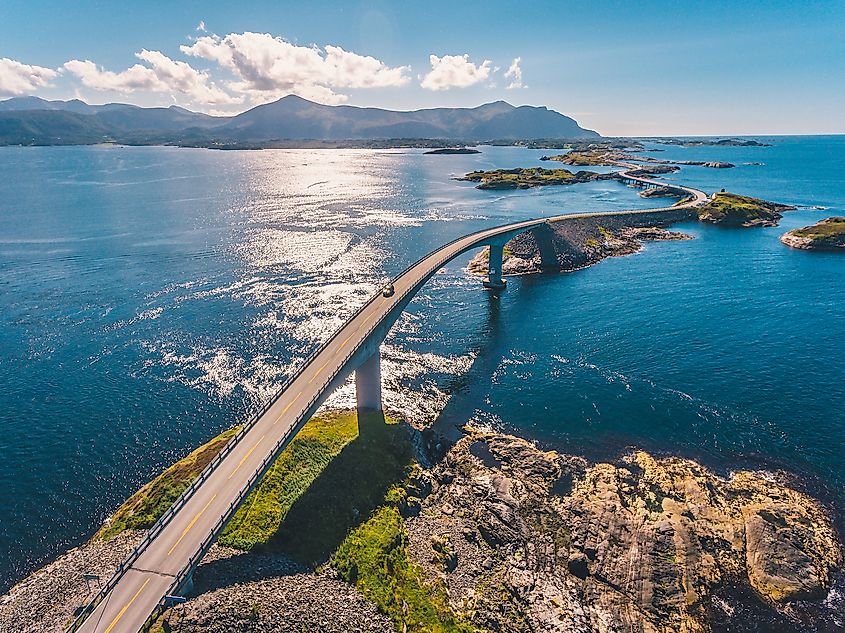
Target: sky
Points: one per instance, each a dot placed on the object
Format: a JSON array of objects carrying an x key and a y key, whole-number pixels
[{"x": 622, "y": 68}]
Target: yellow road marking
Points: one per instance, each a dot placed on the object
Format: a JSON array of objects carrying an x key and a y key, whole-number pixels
[
  {"x": 128, "y": 604},
  {"x": 190, "y": 525},
  {"x": 290, "y": 404},
  {"x": 244, "y": 458},
  {"x": 317, "y": 373}
]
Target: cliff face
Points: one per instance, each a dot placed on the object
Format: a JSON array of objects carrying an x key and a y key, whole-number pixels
[{"x": 527, "y": 540}]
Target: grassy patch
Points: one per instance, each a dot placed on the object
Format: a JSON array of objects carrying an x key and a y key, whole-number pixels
[
  {"x": 831, "y": 227},
  {"x": 346, "y": 491},
  {"x": 375, "y": 559},
  {"x": 735, "y": 210},
  {"x": 524, "y": 177},
  {"x": 314, "y": 447},
  {"x": 144, "y": 508},
  {"x": 587, "y": 157}
]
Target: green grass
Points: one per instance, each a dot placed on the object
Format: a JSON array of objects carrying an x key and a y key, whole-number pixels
[
  {"x": 831, "y": 227},
  {"x": 306, "y": 458},
  {"x": 587, "y": 157},
  {"x": 145, "y": 507},
  {"x": 730, "y": 208},
  {"x": 374, "y": 557},
  {"x": 346, "y": 491},
  {"x": 523, "y": 177},
  {"x": 308, "y": 455}
]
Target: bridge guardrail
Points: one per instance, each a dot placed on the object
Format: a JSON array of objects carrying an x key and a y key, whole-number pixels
[{"x": 183, "y": 498}]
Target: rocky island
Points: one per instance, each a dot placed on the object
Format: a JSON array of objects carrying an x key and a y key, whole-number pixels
[
  {"x": 368, "y": 525},
  {"x": 611, "y": 155},
  {"x": 453, "y": 150},
  {"x": 527, "y": 177},
  {"x": 730, "y": 209},
  {"x": 724, "y": 142},
  {"x": 826, "y": 235}
]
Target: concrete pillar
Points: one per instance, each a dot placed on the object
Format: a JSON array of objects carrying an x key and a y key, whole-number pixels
[
  {"x": 494, "y": 268},
  {"x": 368, "y": 384},
  {"x": 548, "y": 254}
]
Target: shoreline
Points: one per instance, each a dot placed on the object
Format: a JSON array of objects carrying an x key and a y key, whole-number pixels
[{"x": 226, "y": 573}]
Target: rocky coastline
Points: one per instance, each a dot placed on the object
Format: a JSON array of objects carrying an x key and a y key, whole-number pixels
[
  {"x": 527, "y": 177},
  {"x": 825, "y": 235},
  {"x": 583, "y": 242},
  {"x": 729, "y": 209},
  {"x": 512, "y": 537}
]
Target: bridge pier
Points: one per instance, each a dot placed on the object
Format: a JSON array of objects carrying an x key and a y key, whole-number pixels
[
  {"x": 548, "y": 255},
  {"x": 494, "y": 267},
  {"x": 368, "y": 384}
]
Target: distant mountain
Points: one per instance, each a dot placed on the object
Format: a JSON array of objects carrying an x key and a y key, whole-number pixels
[
  {"x": 293, "y": 117},
  {"x": 36, "y": 103},
  {"x": 30, "y": 120}
]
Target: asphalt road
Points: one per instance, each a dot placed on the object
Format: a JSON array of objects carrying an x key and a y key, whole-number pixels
[{"x": 141, "y": 588}]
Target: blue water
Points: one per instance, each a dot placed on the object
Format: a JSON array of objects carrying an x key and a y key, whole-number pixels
[{"x": 150, "y": 297}]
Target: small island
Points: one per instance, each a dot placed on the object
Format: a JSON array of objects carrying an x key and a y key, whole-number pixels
[
  {"x": 587, "y": 157},
  {"x": 611, "y": 156},
  {"x": 730, "y": 209},
  {"x": 453, "y": 150},
  {"x": 725, "y": 142},
  {"x": 825, "y": 235},
  {"x": 527, "y": 177}
]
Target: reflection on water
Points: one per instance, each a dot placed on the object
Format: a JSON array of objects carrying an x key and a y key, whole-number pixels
[{"x": 153, "y": 296}]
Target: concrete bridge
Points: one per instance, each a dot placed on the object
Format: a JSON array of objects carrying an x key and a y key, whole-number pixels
[{"x": 161, "y": 566}]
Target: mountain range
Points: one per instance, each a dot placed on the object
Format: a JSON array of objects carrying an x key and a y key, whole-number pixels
[{"x": 35, "y": 121}]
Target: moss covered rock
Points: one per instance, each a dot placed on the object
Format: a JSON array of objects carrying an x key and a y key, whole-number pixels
[
  {"x": 730, "y": 209},
  {"x": 828, "y": 234}
]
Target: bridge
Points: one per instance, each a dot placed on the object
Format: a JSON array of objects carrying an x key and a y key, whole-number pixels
[{"x": 162, "y": 564}]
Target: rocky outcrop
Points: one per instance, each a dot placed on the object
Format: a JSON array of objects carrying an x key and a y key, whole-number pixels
[
  {"x": 666, "y": 191},
  {"x": 730, "y": 209},
  {"x": 454, "y": 150},
  {"x": 527, "y": 177},
  {"x": 584, "y": 242},
  {"x": 523, "y": 540},
  {"x": 825, "y": 235},
  {"x": 549, "y": 542},
  {"x": 653, "y": 170},
  {"x": 47, "y": 599},
  {"x": 269, "y": 593},
  {"x": 233, "y": 591}
]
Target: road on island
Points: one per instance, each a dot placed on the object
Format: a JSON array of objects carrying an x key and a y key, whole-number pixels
[{"x": 172, "y": 548}]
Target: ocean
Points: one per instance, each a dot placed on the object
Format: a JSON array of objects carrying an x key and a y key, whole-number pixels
[{"x": 151, "y": 297}]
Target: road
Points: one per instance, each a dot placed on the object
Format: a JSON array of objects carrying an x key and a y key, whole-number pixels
[{"x": 183, "y": 539}]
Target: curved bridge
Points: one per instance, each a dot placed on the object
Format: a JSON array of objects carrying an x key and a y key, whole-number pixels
[{"x": 163, "y": 562}]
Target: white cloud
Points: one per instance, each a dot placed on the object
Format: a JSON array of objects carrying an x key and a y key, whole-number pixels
[
  {"x": 268, "y": 67},
  {"x": 454, "y": 71},
  {"x": 201, "y": 26},
  {"x": 17, "y": 78},
  {"x": 162, "y": 75},
  {"x": 514, "y": 73}
]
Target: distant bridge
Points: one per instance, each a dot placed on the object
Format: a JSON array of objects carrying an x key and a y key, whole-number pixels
[{"x": 163, "y": 563}]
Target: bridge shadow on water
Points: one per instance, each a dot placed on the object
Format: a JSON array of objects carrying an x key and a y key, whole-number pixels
[
  {"x": 342, "y": 496},
  {"x": 473, "y": 386}
]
